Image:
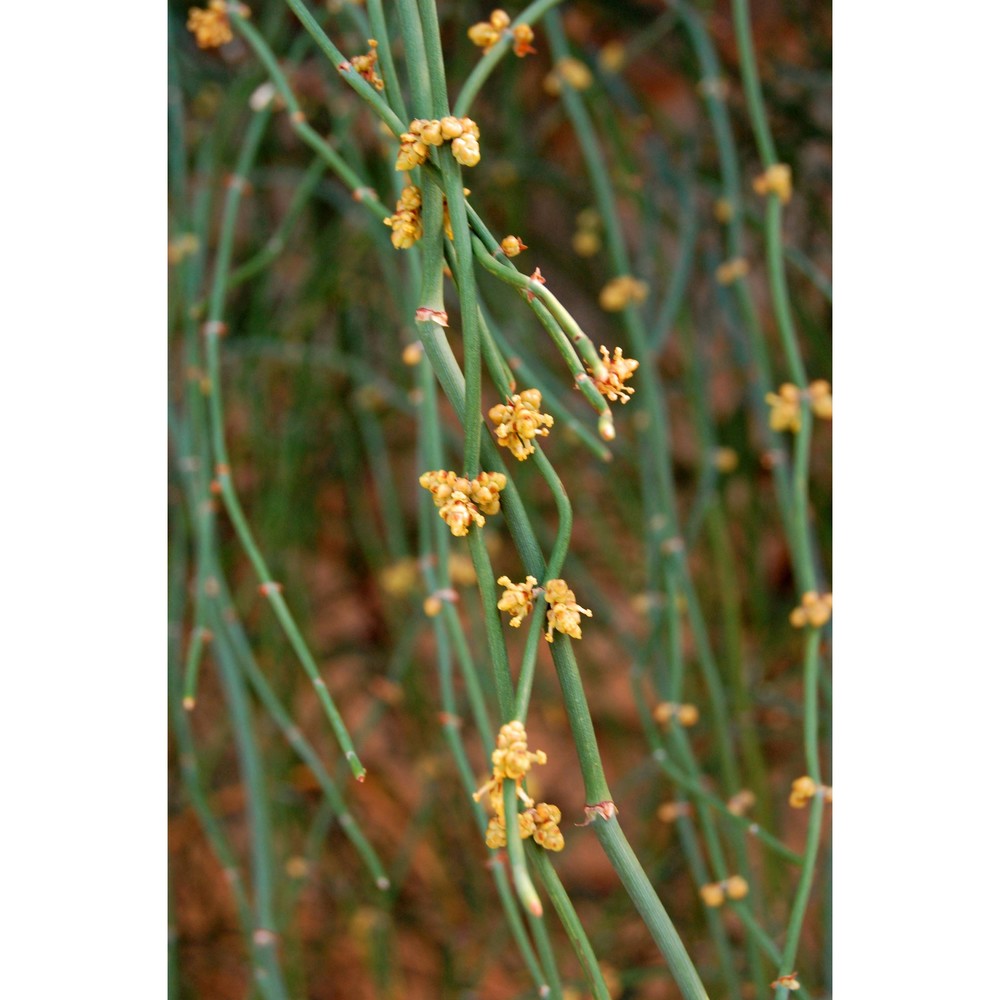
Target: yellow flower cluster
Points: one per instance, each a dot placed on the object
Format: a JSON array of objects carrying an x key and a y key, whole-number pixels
[
  {"x": 786, "y": 404},
  {"x": 587, "y": 238},
  {"x": 619, "y": 293},
  {"x": 570, "y": 71},
  {"x": 462, "y": 133},
  {"x": 804, "y": 788},
  {"x": 732, "y": 270},
  {"x": 815, "y": 610},
  {"x": 407, "y": 226},
  {"x": 210, "y": 27},
  {"x": 486, "y": 34},
  {"x": 365, "y": 65},
  {"x": 519, "y": 421},
  {"x": 517, "y": 599},
  {"x": 564, "y": 613},
  {"x": 462, "y": 502},
  {"x": 716, "y": 893},
  {"x": 512, "y": 759},
  {"x": 666, "y": 711},
  {"x": 777, "y": 179},
  {"x": 620, "y": 369}
]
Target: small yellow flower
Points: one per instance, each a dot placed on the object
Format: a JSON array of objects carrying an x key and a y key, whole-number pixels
[
  {"x": 621, "y": 292},
  {"x": 407, "y": 225},
  {"x": 613, "y": 56},
  {"x": 451, "y": 127},
  {"x": 512, "y": 245},
  {"x": 519, "y": 421},
  {"x": 499, "y": 20},
  {"x": 182, "y": 246},
  {"x": 815, "y": 610},
  {"x": 523, "y": 37},
  {"x": 586, "y": 242},
  {"x": 777, "y": 179},
  {"x": 512, "y": 758},
  {"x": 686, "y": 715},
  {"x": 821, "y": 399},
  {"x": 723, "y": 210},
  {"x": 564, "y": 613},
  {"x": 736, "y": 887},
  {"x": 786, "y": 408},
  {"x": 726, "y": 459},
  {"x": 570, "y": 71},
  {"x": 412, "y": 151},
  {"x": 732, "y": 270},
  {"x": 365, "y": 65},
  {"x": 458, "y": 498},
  {"x": 803, "y": 789},
  {"x": 484, "y": 35},
  {"x": 620, "y": 369},
  {"x": 210, "y": 27},
  {"x": 413, "y": 353},
  {"x": 400, "y": 578},
  {"x": 517, "y": 599},
  {"x": 465, "y": 149},
  {"x": 546, "y": 832},
  {"x": 712, "y": 894}
]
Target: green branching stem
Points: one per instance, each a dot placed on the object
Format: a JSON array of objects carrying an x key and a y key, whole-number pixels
[
  {"x": 351, "y": 76},
  {"x": 491, "y": 59}
]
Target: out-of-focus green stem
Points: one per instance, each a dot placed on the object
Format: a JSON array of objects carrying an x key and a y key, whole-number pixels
[
  {"x": 214, "y": 329},
  {"x": 563, "y": 906},
  {"x": 351, "y": 76}
]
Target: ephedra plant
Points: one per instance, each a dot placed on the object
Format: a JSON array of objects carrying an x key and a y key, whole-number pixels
[{"x": 500, "y": 613}]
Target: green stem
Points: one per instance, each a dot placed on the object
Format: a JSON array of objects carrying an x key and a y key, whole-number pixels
[{"x": 650, "y": 908}]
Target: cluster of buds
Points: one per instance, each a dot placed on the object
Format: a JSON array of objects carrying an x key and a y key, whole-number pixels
[
  {"x": 804, "y": 788},
  {"x": 512, "y": 246},
  {"x": 786, "y": 404},
  {"x": 716, "y": 893},
  {"x": 365, "y": 65},
  {"x": 519, "y": 421},
  {"x": 414, "y": 144},
  {"x": 512, "y": 759},
  {"x": 619, "y": 370},
  {"x": 732, "y": 270},
  {"x": 587, "y": 238},
  {"x": 777, "y": 179},
  {"x": 564, "y": 613},
  {"x": 210, "y": 26},
  {"x": 486, "y": 34},
  {"x": 518, "y": 599},
  {"x": 621, "y": 292},
  {"x": 462, "y": 502},
  {"x": 407, "y": 226},
  {"x": 569, "y": 71},
  {"x": 815, "y": 610},
  {"x": 667, "y": 711}
]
